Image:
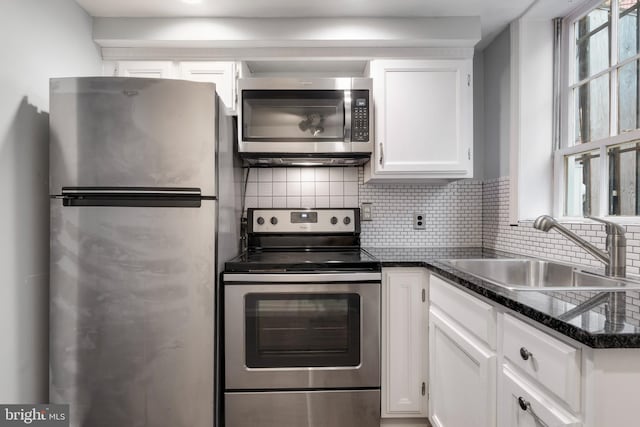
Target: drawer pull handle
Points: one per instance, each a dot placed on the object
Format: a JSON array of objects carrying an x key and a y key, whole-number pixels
[
  {"x": 526, "y": 406},
  {"x": 525, "y": 354}
]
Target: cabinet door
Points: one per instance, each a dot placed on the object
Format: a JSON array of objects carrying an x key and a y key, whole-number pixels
[
  {"x": 462, "y": 376},
  {"x": 404, "y": 343},
  {"x": 424, "y": 118},
  {"x": 221, "y": 73},
  {"x": 149, "y": 69},
  {"x": 523, "y": 405}
]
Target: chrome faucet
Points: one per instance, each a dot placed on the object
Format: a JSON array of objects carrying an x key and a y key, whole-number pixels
[{"x": 614, "y": 259}]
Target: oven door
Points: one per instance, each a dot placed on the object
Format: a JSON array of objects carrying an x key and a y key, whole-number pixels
[{"x": 303, "y": 333}]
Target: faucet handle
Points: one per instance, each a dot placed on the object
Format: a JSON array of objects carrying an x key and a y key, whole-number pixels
[{"x": 612, "y": 227}]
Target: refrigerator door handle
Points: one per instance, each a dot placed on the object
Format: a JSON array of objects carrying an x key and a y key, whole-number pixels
[
  {"x": 130, "y": 191},
  {"x": 132, "y": 197}
]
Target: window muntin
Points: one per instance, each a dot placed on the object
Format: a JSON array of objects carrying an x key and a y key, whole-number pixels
[{"x": 602, "y": 93}]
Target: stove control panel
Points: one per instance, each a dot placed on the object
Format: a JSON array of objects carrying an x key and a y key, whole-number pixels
[{"x": 304, "y": 220}]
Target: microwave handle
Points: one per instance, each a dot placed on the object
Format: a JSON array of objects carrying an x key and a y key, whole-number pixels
[{"x": 347, "y": 116}]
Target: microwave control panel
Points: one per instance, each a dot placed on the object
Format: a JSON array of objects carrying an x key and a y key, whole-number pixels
[{"x": 360, "y": 116}]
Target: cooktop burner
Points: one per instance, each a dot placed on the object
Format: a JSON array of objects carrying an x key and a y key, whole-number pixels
[
  {"x": 301, "y": 260},
  {"x": 303, "y": 240}
]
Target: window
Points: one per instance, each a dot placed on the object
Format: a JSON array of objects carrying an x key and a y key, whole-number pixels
[{"x": 599, "y": 151}]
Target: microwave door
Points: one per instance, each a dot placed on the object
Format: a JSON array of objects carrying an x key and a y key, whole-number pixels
[{"x": 293, "y": 116}]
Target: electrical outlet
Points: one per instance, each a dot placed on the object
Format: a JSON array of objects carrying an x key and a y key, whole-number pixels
[
  {"x": 419, "y": 222},
  {"x": 366, "y": 212}
]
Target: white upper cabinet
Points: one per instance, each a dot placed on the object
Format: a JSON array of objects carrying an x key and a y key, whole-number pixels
[
  {"x": 423, "y": 120},
  {"x": 222, "y": 73},
  {"x": 148, "y": 69}
]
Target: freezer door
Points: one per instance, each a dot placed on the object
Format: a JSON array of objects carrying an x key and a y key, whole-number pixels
[
  {"x": 132, "y": 315},
  {"x": 132, "y": 132}
]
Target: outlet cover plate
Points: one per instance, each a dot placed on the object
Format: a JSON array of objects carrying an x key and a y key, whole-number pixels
[{"x": 419, "y": 221}]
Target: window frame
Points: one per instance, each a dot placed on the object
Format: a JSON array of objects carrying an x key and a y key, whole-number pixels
[{"x": 567, "y": 114}]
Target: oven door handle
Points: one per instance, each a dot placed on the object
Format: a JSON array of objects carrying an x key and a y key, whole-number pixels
[{"x": 302, "y": 278}]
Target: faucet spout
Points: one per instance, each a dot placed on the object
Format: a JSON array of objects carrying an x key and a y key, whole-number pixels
[
  {"x": 546, "y": 223},
  {"x": 614, "y": 259}
]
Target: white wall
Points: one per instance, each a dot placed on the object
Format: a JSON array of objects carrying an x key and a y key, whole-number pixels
[
  {"x": 497, "y": 95},
  {"x": 40, "y": 39}
]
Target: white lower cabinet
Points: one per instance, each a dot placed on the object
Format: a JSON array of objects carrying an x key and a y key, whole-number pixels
[
  {"x": 489, "y": 366},
  {"x": 524, "y": 405},
  {"x": 462, "y": 375},
  {"x": 404, "y": 343}
]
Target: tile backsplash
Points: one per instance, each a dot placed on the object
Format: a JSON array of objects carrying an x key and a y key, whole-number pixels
[
  {"x": 453, "y": 214},
  {"x": 302, "y": 187},
  {"x": 453, "y": 211}
]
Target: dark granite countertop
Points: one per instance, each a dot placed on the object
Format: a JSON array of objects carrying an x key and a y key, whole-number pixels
[{"x": 589, "y": 328}]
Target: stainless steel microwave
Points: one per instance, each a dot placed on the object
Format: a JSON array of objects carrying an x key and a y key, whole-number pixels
[{"x": 297, "y": 121}]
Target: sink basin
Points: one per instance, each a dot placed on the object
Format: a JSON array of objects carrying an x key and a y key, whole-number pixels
[{"x": 539, "y": 275}]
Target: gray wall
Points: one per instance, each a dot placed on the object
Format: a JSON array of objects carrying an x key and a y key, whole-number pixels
[
  {"x": 496, "y": 93},
  {"x": 40, "y": 39}
]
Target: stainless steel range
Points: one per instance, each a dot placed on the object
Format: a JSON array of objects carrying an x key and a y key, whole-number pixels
[{"x": 302, "y": 323}]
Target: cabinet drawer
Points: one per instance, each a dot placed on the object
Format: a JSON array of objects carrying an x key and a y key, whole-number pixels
[
  {"x": 524, "y": 405},
  {"x": 476, "y": 316},
  {"x": 552, "y": 363}
]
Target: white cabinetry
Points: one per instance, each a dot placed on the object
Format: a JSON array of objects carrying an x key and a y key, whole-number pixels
[
  {"x": 149, "y": 69},
  {"x": 462, "y": 365},
  {"x": 423, "y": 120},
  {"x": 524, "y": 405},
  {"x": 546, "y": 360},
  {"x": 484, "y": 359},
  {"x": 223, "y": 74},
  {"x": 404, "y": 343}
]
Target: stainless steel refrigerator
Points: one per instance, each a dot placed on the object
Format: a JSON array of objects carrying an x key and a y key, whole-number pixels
[{"x": 133, "y": 186}]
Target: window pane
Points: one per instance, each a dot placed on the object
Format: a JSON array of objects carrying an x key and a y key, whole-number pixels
[
  {"x": 628, "y": 29},
  {"x": 583, "y": 178},
  {"x": 623, "y": 179},
  {"x": 592, "y": 42},
  {"x": 628, "y": 97},
  {"x": 592, "y": 110}
]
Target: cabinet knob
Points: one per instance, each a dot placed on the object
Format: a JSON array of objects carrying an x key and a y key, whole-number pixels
[
  {"x": 381, "y": 154},
  {"x": 525, "y": 354},
  {"x": 524, "y": 405}
]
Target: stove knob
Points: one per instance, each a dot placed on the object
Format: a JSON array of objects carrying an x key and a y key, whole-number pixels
[
  {"x": 260, "y": 220},
  {"x": 346, "y": 220},
  {"x": 334, "y": 220},
  {"x": 274, "y": 220}
]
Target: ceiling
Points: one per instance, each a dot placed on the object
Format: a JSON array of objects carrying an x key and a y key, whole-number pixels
[{"x": 494, "y": 14}]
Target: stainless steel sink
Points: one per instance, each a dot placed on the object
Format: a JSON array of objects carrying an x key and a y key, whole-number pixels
[{"x": 539, "y": 275}]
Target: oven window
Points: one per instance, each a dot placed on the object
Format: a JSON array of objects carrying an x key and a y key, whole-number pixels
[
  {"x": 302, "y": 330},
  {"x": 292, "y": 115}
]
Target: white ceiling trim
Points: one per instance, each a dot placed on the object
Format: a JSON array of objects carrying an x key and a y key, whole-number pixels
[
  {"x": 275, "y": 54},
  {"x": 252, "y": 33}
]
